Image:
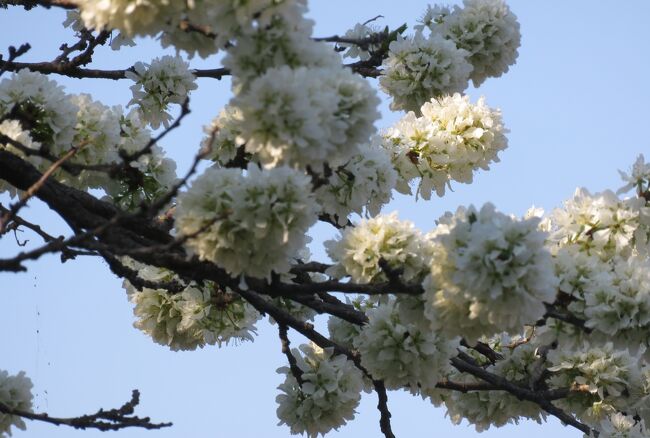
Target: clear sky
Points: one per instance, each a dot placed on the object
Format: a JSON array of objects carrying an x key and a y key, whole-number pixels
[{"x": 576, "y": 102}]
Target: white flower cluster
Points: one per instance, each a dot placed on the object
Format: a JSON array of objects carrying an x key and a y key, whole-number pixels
[
  {"x": 619, "y": 425},
  {"x": 602, "y": 224},
  {"x": 328, "y": 396},
  {"x": 220, "y": 139},
  {"x": 44, "y": 119},
  {"x": 358, "y": 251},
  {"x": 220, "y": 21},
  {"x": 403, "y": 352},
  {"x": 487, "y": 30},
  {"x": 134, "y": 17},
  {"x": 158, "y": 172},
  {"x": 306, "y": 116},
  {"x": 418, "y": 69},
  {"x": 451, "y": 139},
  {"x": 360, "y": 32},
  {"x": 194, "y": 317},
  {"x": 366, "y": 180},
  {"x": 343, "y": 332},
  {"x": 600, "y": 246},
  {"x": 42, "y": 107},
  {"x": 612, "y": 378},
  {"x": 612, "y": 297},
  {"x": 15, "y": 393},
  {"x": 281, "y": 43},
  {"x": 489, "y": 273},
  {"x": 248, "y": 224},
  {"x": 638, "y": 178},
  {"x": 484, "y": 409},
  {"x": 166, "y": 80},
  {"x": 97, "y": 135},
  {"x": 231, "y": 19},
  {"x": 476, "y": 41}
]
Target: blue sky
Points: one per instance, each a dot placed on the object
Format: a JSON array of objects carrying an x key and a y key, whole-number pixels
[{"x": 576, "y": 104}]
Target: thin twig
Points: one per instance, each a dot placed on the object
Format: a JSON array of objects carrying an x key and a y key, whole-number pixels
[
  {"x": 104, "y": 420},
  {"x": 286, "y": 349}
]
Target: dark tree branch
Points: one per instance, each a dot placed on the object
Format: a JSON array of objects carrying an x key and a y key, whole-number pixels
[
  {"x": 31, "y": 191},
  {"x": 286, "y": 349},
  {"x": 123, "y": 271},
  {"x": 309, "y": 267},
  {"x": 466, "y": 387},
  {"x": 15, "y": 53},
  {"x": 484, "y": 349},
  {"x": 29, "y": 4},
  {"x": 382, "y": 406},
  {"x": 74, "y": 71},
  {"x": 522, "y": 393},
  {"x": 112, "y": 419},
  {"x": 17, "y": 221},
  {"x": 554, "y": 312}
]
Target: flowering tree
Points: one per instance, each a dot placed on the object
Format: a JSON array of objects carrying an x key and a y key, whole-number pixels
[{"x": 495, "y": 317}]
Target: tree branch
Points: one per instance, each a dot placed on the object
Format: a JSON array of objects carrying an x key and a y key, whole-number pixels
[
  {"x": 113, "y": 419},
  {"x": 520, "y": 392},
  {"x": 382, "y": 406},
  {"x": 286, "y": 349}
]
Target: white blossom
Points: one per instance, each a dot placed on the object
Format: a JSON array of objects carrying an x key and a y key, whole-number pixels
[
  {"x": 432, "y": 16},
  {"x": 619, "y": 425},
  {"x": 230, "y": 19},
  {"x": 15, "y": 393},
  {"x": 73, "y": 20},
  {"x": 489, "y": 273},
  {"x": 620, "y": 303},
  {"x": 192, "y": 43},
  {"x": 611, "y": 378},
  {"x": 251, "y": 224},
  {"x": 359, "y": 249},
  {"x": 487, "y": 30},
  {"x": 365, "y": 181},
  {"x": 159, "y": 315},
  {"x": 611, "y": 296},
  {"x": 219, "y": 316},
  {"x": 133, "y": 17},
  {"x": 221, "y": 20},
  {"x": 306, "y": 116},
  {"x": 402, "y": 352},
  {"x": 328, "y": 396},
  {"x": 157, "y": 171},
  {"x": 638, "y": 178},
  {"x": 451, "y": 140},
  {"x": 166, "y": 80},
  {"x": 97, "y": 134},
  {"x": 360, "y": 32},
  {"x": 418, "y": 69},
  {"x": 343, "y": 332},
  {"x": 220, "y": 139},
  {"x": 279, "y": 44},
  {"x": 43, "y": 105},
  {"x": 195, "y": 316},
  {"x": 603, "y": 224},
  {"x": 484, "y": 409}
]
